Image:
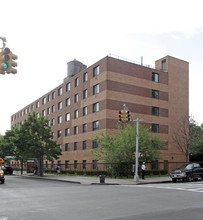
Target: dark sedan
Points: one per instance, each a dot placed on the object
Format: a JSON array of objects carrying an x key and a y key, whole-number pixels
[{"x": 8, "y": 170}]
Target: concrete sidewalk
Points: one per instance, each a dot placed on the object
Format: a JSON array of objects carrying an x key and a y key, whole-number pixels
[{"x": 96, "y": 180}]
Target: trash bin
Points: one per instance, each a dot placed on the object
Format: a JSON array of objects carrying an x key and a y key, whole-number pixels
[{"x": 102, "y": 178}]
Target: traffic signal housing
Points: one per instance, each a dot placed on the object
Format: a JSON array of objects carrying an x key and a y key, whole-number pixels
[
  {"x": 4, "y": 60},
  {"x": 7, "y": 61},
  {"x": 124, "y": 116},
  {"x": 12, "y": 63},
  {"x": 120, "y": 116},
  {"x": 128, "y": 116}
]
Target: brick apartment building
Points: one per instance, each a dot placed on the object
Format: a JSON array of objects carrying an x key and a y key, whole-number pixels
[{"x": 90, "y": 99}]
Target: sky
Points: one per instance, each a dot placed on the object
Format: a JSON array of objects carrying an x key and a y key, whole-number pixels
[{"x": 46, "y": 34}]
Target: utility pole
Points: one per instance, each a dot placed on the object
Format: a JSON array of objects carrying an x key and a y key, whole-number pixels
[{"x": 136, "y": 176}]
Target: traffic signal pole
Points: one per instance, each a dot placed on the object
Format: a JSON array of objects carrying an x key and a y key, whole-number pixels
[{"x": 136, "y": 176}]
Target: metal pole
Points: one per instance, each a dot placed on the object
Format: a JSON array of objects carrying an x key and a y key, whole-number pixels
[
  {"x": 4, "y": 40},
  {"x": 136, "y": 177}
]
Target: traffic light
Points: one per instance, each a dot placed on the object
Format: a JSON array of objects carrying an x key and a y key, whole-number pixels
[
  {"x": 128, "y": 116},
  {"x": 4, "y": 60},
  {"x": 120, "y": 116},
  {"x": 12, "y": 63},
  {"x": 124, "y": 116}
]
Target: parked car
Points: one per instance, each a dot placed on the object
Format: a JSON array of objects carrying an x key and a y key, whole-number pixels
[
  {"x": 8, "y": 170},
  {"x": 2, "y": 179},
  {"x": 188, "y": 172}
]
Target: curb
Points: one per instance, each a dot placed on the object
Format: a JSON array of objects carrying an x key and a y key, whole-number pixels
[
  {"x": 91, "y": 183},
  {"x": 144, "y": 183},
  {"x": 47, "y": 178}
]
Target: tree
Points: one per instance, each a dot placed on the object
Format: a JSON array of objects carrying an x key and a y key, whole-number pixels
[
  {"x": 181, "y": 136},
  {"x": 6, "y": 144},
  {"x": 188, "y": 137},
  {"x": 120, "y": 147},
  {"x": 37, "y": 137},
  {"x": 32, "y": 140},
  {"x": 196, "y": 141}
]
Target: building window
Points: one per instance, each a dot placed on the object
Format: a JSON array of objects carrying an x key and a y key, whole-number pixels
[
  {"x": 67, "y": 162},
  {"x": 95, "y": 125},
  {"x": 155, "y": 77},
  {"x": 84, "y": 110},
  {"x": 52, "y": 134},
  {"x": 59, "y": 105},
  {"x": 75, "y": 129},
  {"x": 95, "y": 164},
  {"x": 76, "y": 82},
  {"x": 96, "y": 71},
  {"x": 59, "y": 119},
  {"x": 44, "y": 101},
  {"x": 155, "y": 128},
  {"x": 60, "y": 91},
  {"x": 155, "y": 94},
  {"x": 67, "y": 132},
  {"x": 53, "y": 121},
  {"x": 59, "y": 133},
  {"x": 37, "y": 104},
  {"x": 75, "y": 164},
  {"x": 43, "y": 112},
  {"x": 67, "y": 87},
  {"x": 68, "y": 117},
  {"x": 48, "y": 111},
  {"x": 76, "y": 114},
  {"x": 84, "y": 128},
  {"x": 84, "y": 164},
  {"x": 163, "y": 65},
  {"x": 85, "y": 77},
  {"x": 67, "y": 102},
  {"x": 96, "y": 89},
  {"x": 85, "y": 94},
  {"x": 53, "y": 95},
  {"x": 67, "y": 147},
  {"x": 76, "y": 98},
  {"x": 84, "y": 145},
  {"x": 155, "y": 111},
  {"x": 96, "y": 107},
  {"x": 38, "y": 115},
  {"x": 95, "y": 144},
  {"x": 53, "y": 108},
  {"x": 48, "y": 98},
  {"x": 75, "y": 146}
]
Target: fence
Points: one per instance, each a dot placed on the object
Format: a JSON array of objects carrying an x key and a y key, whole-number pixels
[{"x": 126, "y": 167}]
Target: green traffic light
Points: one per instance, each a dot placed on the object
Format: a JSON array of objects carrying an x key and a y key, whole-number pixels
[{"x": 5, "y": 66}]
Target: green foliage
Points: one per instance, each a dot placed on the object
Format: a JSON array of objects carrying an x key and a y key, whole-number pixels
[
  {"x": 196, "y": 141},
  {"x": 39, "y": 139},
  {"x": 7, "y": 143},
  {"x": 32, "y": 140},
  {"x": 120, "y": 146}
]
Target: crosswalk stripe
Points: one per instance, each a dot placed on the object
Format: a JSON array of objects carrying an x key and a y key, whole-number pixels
[{"x": 191, "y": 187}]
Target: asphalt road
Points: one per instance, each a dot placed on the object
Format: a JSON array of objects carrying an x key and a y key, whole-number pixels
[{"x": 31, "y": 199}]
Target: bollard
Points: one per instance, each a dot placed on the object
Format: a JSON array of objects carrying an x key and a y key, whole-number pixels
[{"x": 102, "y": 178}]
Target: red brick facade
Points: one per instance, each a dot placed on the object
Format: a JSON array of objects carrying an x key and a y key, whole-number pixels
[{"x": 118, "y": 82}]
